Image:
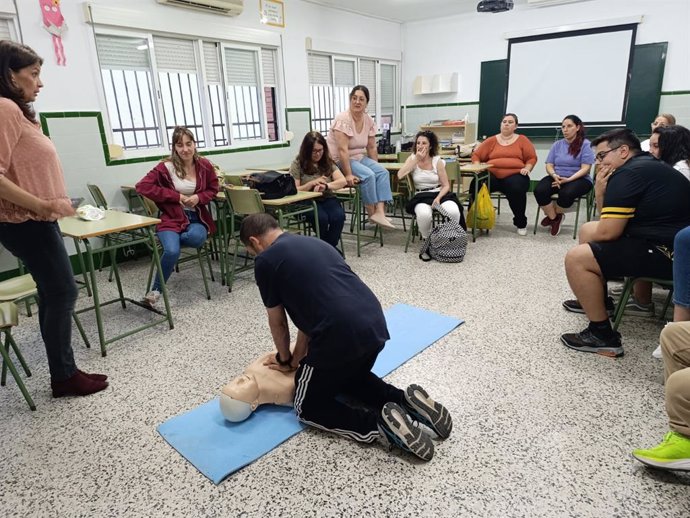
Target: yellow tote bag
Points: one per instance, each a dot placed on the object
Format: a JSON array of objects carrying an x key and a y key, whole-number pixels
[{"x": 486, "y": 215}]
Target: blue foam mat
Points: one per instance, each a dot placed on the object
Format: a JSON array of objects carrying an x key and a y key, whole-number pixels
[{"x": 218, "y": 448}]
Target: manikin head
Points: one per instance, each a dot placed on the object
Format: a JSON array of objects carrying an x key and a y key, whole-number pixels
[{"x": 239, "y": 398}]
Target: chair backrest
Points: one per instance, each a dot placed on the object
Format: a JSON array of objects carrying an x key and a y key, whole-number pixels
[
  {"x": 149, "y": 205},
  {"x": 410, "y": 183},
  {"x": 97, "y": 195},
  {"x": 232, "y": 179},
  {"x": 402, "y": 155},
  {"x": 244, "y": 201}
]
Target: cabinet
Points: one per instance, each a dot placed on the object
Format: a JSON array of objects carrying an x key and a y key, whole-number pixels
[{"x": 455, "y": 133}]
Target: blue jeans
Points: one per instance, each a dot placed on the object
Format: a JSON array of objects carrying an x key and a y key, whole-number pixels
[
  {"x": 681, "y": 268},
  {"x": 194, "y": 236},
  {"x": 375, "y": 182},
  {"x": 331, "y": 220},
  {"x": 39, "y": 245}
]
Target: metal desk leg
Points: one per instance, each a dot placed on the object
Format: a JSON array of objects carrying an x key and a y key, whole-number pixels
[
  {"x": 80, "y": 257},
  {"x": 116, "y": 271},
  {"x": 159, "y": 271},
  {"x": 94, "y": 288},
  {"x": 316, "y": 218},
  {"x": 474, "y": 203}
]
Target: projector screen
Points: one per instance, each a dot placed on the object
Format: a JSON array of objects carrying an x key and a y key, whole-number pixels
[{"x": 585, "y": 73}]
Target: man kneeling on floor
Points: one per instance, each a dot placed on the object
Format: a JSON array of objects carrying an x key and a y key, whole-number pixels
[
  {"x": 341, "y": 331},
  {"x": 644, "y": 205}
]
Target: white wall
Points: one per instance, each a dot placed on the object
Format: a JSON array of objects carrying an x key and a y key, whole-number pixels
[{"x": 461, "y": 43}]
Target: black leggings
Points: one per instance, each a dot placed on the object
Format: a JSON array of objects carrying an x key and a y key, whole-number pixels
[{"x": 567, "y": 193}]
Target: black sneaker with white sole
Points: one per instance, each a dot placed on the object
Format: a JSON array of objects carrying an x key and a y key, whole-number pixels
[
  {"x": 396, "y": 428},
  {"x": 574, "y": 306},
  {"x": 427, "y": 411},
  {"x": 587, "y": 342}
]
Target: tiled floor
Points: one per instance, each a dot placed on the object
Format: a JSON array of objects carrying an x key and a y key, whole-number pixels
[{"x": 540, "y": 430}]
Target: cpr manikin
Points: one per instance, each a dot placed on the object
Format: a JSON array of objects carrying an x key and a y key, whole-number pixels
[{"x": 258, "y": 385}]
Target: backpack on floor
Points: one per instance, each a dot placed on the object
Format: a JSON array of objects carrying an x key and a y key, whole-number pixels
[
  {"x": 447, "y": 242},
  {"x": 486, "y": 214}
]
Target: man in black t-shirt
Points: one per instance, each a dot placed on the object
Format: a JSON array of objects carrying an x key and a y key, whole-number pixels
[
  {"x": 341, "y": 330},
  {"x": 644, "y": 203}
]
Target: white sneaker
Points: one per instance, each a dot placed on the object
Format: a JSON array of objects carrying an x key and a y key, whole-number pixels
[
  {"x": 152, "y": 297},
  {"x": 522, "y": 231},
  {"x": 657, "y": 353}
]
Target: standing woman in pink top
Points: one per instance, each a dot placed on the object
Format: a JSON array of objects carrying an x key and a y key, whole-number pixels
[
  {"x": 513, "y": 157},
  {"x": 32, "y": 198},
  {"x": 353, "y": 132}
]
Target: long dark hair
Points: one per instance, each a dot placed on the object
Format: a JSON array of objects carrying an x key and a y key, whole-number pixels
[
  {"x": 325, "y": 164},
  {"x": 674, "y": 144},
  {"x": 433, "y": 142},
  {"x": 13, "y": 57},
  {"x": 576, "y": 145}
]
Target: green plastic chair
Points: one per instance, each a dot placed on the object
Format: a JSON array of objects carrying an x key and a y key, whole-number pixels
[
  {"x": 8, "y": 319},
  {"x": 241, "y": 203},
  {"x": 627, "y": 290}
]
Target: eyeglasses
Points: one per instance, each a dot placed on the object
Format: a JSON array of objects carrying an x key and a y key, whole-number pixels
[
  {"x": 316, "y": 151},
  {"x": 602, "y": 154}
]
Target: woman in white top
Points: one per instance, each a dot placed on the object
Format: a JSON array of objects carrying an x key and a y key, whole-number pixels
[
  {"x": 182, "y": 187},
  {"x": 663, "y": 119},
  {"x": 672, "y": 145},
  {"x": 430, "y": 183}
]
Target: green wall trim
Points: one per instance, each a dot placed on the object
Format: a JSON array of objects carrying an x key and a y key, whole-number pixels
[
  {"x": 43, "y": 117},
  {"x": 414, "y": 106},
  {"x": 676, "y": 92}
]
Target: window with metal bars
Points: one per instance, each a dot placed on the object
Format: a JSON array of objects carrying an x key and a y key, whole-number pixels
[
  {"x": 154, "y": 83},
  {"x": 331, "y": 79}
]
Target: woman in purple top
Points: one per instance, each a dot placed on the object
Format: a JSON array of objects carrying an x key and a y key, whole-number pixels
[{"x": 568, "y": 164}]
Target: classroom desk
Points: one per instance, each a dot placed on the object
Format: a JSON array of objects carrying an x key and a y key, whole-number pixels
[
  {"x": 277, "y": 167},
  {"x": 281, "y": 206},
  {"x": 80, "y": 231},
  {"x": 390, "y": 157},
  {"x": 354, "y": 195},
  {"x": 393, "y": 167}
]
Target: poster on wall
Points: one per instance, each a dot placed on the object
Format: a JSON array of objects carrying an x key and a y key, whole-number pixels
[
  {"x": 272, "y": 12},
  {"x": 54, "y": 23}
]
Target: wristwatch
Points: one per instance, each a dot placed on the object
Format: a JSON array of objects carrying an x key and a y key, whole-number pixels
[{"x": 285, "y": 363}]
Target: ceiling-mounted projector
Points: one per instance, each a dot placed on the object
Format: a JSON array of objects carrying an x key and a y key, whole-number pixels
[{"x": 494, "y": 6}]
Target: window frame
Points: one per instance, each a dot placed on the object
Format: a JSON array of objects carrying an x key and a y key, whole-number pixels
[
  {"x": 13, "y": 26},
  {"x": 376, "y": 108},
  {"x": 203, "y": 84}
]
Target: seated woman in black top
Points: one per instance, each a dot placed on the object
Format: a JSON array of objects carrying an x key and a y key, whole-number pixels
[{"x": 313, "y": 170}]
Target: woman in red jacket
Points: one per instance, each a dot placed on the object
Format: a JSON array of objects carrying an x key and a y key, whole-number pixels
[
  {"x": 513, "y": 158},
  {"x": 181, "y": 186}
]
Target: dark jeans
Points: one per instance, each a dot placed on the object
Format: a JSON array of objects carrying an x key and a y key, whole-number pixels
[
  {"x": 39, "y": 245},
  {"x": 567, "y": 193},
  {"x": 331, "y": 220},
  {"x": 319, "y": 393},
  {"x": 514, "y": 188}
]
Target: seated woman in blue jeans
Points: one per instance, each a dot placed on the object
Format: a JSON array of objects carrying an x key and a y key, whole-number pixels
[
  {"x": 353, "y": 132},
  {"x": 313, "y": 170},
  {"x": 181, "y": 186}
]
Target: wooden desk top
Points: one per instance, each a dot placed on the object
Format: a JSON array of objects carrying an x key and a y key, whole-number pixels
[
  {"x": 393, "y": 166},
  {"x": 474, "y": 168},
  {"x": 276, "y": 167},
  {"x": 114, "y": 221},
  {"x": 389, "y": 157},
  {"x": 287, "y": 200}
]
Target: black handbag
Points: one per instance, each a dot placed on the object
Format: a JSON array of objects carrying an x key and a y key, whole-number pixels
[{"x": 272, "y": 184}]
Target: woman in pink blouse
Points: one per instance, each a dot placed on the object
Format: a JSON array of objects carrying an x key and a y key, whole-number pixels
[
  {"x": 352, "y": 134},
  {"x": 32, "y": 198}
]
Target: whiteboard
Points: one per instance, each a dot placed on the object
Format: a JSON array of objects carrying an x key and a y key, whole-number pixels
[{"x": 582, "y": 73}]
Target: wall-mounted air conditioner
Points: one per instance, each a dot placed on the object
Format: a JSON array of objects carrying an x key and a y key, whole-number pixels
[
  {"x": 546, "y": 3},
  {"x": 226, "y": 7}
]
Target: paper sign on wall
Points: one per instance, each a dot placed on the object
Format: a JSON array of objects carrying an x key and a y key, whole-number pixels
[{"x": 272, "y": 12}]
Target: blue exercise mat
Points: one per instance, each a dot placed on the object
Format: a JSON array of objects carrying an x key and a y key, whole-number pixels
[{"x": 218, "y": 448}]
